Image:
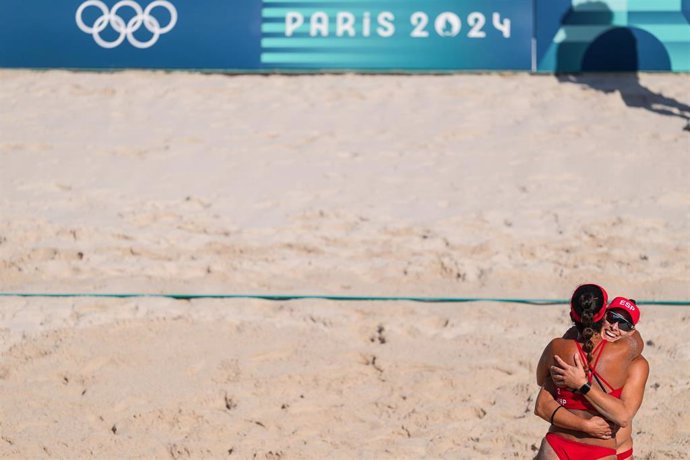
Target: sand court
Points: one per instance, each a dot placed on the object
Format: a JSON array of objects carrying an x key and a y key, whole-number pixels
[
  {"x": 449, "y": 186},
  {"x": 300, "y": 379}
]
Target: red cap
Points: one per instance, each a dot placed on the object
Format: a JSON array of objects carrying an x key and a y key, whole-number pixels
[
  {"x": 628, "y": 306},
  {"x": 600, "y": 314}
]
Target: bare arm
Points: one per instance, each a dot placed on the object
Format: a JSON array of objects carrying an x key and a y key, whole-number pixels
[
  {"x": 626, "y": 407},
  {"x": 620, "y": 411},
  {"x": 633, "y": 392},
  {"x": 546, "y": 405}
]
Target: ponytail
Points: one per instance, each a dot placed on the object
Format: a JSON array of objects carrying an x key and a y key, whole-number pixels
[
  {"x": 589, "y": 305},
  {"x": 587, "y": 309}
]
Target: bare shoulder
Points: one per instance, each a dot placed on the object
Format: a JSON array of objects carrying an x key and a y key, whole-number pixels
[
  {"x": 639, "y": 365},
  {"x": 545, "y": 361},
  {"x": 571, "y": 333},
  {"x": 629, "y": 347},
  {"x": 638, "y": 373},
  {"x": 557, "y": 346},
  {"x": 554, "y": 343},
  {"x": 564, "y": 348}
]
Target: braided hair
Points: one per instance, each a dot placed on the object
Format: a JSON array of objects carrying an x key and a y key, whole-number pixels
[{"x": 587, "y": 301}]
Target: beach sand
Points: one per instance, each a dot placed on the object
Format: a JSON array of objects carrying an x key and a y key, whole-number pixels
[{"x": 496, "y": 186}]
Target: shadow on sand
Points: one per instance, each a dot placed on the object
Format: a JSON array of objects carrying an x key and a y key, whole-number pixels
[{"x": 617, "y": 51}]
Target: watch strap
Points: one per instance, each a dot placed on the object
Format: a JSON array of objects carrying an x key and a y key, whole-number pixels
[{"x": 584, "y": 389}]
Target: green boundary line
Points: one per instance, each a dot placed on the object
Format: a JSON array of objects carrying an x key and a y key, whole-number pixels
[{"x": 341, "y": 298}]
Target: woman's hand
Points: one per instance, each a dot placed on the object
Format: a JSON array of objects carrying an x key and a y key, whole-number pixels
[
  {"x": 597, "y": 427},
  {"x": 565, "y": 375}
]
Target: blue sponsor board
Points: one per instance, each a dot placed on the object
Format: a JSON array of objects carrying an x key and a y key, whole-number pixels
[
  {"x": 251, "y": 35},
  {"x": 612, "y": 35},
  {"x": 164, "y": 34},
  {"x": 336, "y": 35},
  {"x": 397, "y": 34}
]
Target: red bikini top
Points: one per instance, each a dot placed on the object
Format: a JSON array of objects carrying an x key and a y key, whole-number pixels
[{"x": 572, "y": 400}]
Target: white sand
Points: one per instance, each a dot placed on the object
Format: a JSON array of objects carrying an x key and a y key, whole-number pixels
[{"x": 470, "y": 185}]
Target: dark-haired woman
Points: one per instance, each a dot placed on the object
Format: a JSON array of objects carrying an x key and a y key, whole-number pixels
[
  {"x": 620, "y": 323},
  {"x": 604, "y": 362}
]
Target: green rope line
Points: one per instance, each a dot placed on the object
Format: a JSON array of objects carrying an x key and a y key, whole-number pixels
[{"x": 340, "y": 298}]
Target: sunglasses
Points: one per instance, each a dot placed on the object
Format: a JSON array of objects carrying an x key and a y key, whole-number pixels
[{"x": 623, "y": 323}]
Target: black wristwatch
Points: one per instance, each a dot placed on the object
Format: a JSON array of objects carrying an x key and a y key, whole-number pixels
[{"x": 584, "y": 389}]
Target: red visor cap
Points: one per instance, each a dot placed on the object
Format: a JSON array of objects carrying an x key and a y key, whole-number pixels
[{"x": 628, "y": 306}]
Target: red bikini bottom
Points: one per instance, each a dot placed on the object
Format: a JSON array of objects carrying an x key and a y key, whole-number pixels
[
  {"x": 573, "y": 450},
  {"x": 627, "y": 454}
]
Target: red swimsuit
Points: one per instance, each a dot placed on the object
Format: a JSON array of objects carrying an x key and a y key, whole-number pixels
[
  {"x": 572, "y": 400},
  {"x": 566, "y": 448}
]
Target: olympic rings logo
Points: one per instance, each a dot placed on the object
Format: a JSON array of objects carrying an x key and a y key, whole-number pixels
[{"x": 126, "y": 30}]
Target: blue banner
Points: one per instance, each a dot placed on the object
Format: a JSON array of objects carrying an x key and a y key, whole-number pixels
[
  {"x": 612, "y": 35},
  {"x": 340, "y": 35},
  {"x": 251, "y": 35},
  {"x": 397, "y": 34},
  {"x": 163, "y": 34}
]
